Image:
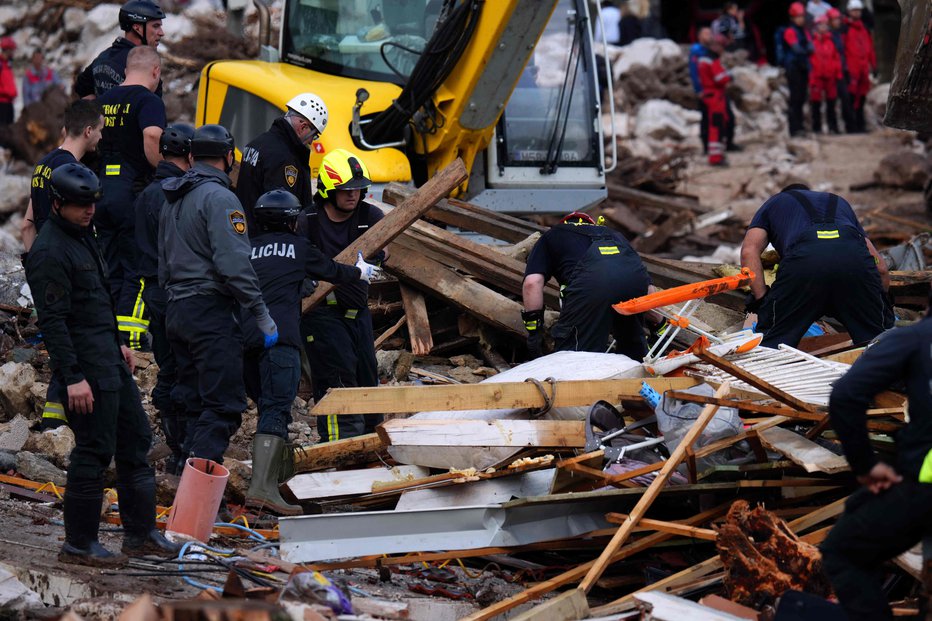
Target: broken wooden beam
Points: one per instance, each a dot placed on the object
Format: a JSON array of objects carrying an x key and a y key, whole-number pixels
[
  {"x": 506, "y": 432},
  {"x": 338, "y": 454},
  {"x": 674, "y": 528},
  {"x": 488, "y": 395},
  {"x": 389, "y": 227},
  {"x": 314, "y": 485},
  {"x": 419, "y": 334},
  {"x": 800, "y": 450},
  {"x": 662, "y": 201}
]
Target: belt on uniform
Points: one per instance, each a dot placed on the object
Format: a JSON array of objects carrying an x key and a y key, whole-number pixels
[{"x": 350, "y": 313}]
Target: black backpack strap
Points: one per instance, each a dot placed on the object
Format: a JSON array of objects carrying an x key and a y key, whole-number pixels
[{"x": 827, "y": 218}]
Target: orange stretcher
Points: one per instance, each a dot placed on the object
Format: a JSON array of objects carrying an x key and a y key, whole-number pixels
[{"x": 685, "y": 293}]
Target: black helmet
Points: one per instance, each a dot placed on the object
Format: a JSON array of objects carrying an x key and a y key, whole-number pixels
[
  {"x": 211, "y": 141},
  {"x": 139, "y": 12},
  {"x": 276, "y": 209},
  {"x": 75, "y": 184},
  {"x": 176, "y": 139}
]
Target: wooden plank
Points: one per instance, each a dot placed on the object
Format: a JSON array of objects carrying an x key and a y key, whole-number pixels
[
  {"x": 339, "y": 454},
  {"x": 568, "y": 606},
  {"x": 667, "y": 203},
  {"x": 487, "y": 395},
  {"x": 674, "y": 528},
  {"x": 650, "y": 495},
  {"x": 388, "y": 333},
  {"x": 314, "y": 485},
  {"x": 419, "y": 271},
  {"x": 419, "y": 334},
  {"x": 747, "y": 406},
  {"x": 806, "y": 453},
  {"x": 457, "y": 432},
  {"x": 394, "y": 223},
  {"x": 654, "y": 238}
]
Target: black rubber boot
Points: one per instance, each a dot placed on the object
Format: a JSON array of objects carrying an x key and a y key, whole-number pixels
[
  {"x": 816, "y": 108},
  {"x": 287, "y": 469},
  {"x": 266, "y": 465},
  {"x": 136, "y": 492},
  {"x": 82, "y": 519}
]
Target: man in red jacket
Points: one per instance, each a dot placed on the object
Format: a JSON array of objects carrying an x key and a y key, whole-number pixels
[
  {"x": 824, "y": 76},
  {"x": 859, "y": 52},
  {"x": 7, "y": 81},
  {"x": 713, "y": 78}
]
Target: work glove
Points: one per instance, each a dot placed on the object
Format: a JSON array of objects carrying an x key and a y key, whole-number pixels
[
  {"x": 308, "y": 287},
  {"x": 752, "y": 304},
  {"x": 367, "y": 271},
  {"x": 269, "y": 330},
  {"x": 534, "y": 324}
]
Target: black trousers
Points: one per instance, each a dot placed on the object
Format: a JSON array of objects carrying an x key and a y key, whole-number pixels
[
  {"x": 847, "y": 106},
  {"x": 272, "y": 377},
  {"x": 208, "y": 349},
  {"x": 873, "y": 529},
  {"x": 798, "y": 79},
  {"x": 6, "y": 113},
  {"x": 341, "y": 353}
]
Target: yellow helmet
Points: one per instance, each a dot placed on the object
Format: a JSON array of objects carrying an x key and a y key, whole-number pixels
[{"x": 341, "y": 170}]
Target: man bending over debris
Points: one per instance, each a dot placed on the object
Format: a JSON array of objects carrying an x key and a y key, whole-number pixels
[
  {"x": 828, "y": 266},
  {"x": 596, "y": 267},
  {"x": 893, "y": 510},
  {"x": 69, "y": 283}
]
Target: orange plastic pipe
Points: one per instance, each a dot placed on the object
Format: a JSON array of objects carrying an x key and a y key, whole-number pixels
[{"x": 684, "y": 293}]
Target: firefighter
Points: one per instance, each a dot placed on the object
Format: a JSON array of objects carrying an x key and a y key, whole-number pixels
[
  {"x": 796, "y": 48},
  {"x": 337, "y": 334},
  {"x": 862, "y": 61},
  {"x": 83, "y": 125},
  {"x": 278, "y": 158},
  {"x": 205, "y": 270},
  {"x": 129, "y": 152},
  {"x": 175, "y": 147},
  {"x": 828, "y": 266},
  {"x": 141, "y": 23},
  {"x": 67, "y": 275},
  {"x": 824, "y": 77},
  {"x": 596, "y": 267},
  {"x": 892, "y": 511},
  {"x": 714, "y": 78},
  {"x": 282, "y": 260}
]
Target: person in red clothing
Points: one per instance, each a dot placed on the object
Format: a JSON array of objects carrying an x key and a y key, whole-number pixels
[
  {"x": 859, "y": 52},
  {"x": 713, "y": 77},
  {"x": 824, "y": 76},
  {"x": 8, "y": 90}
]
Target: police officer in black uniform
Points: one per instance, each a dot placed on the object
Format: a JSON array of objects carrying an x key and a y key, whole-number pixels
[
  {"x": 278, "y": 158},
  {"x": 133, "y": 121},
  {"x": 893, "y": 510},
  {"x": 337, "y": 334},
  {"x": 596, "y": 267},
  {"x": 175, "y": 146},
  {"x": 205, "y": 269},
  {"x": 282, "y": 260},
  {"x": 828, "y": 266},
  {"x": 141, "y": 22},
  {"x": 67, "y": 275}
]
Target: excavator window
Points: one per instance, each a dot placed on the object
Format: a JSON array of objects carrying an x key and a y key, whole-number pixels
[{"x": 246, "y": 115}]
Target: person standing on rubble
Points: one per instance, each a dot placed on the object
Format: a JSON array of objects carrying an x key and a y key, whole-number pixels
[
  {"x": 836, "y": 22},
  {"x": 730, "y": 26},
  {"x": 37, "y": 78},
  {"x": 204, "y": 268},
  {"x": 84, "y": 122},
  {"x": 337, "y": 334},
  {"x": 862, "y": 61},
  {"x": 699, "y": 50},
  {"x": 795, "y": 49},
  {"x": 595, "y": 267},
  {"x": 892, "y": 511},
  {"x": 282, "y": 259},
  {"x": 175, "y": 147},
  {"x": 8, "y": 90},
  {"x": 67, "y": 276},
  {"x": 824, "y": 77},
  {"x": 278, "y": 158},
  {"x": 129, "y": 152},
  {"x": 828, "y": 266},
  {"x": 714, "y": 78},
  {"x": 141, "y": 23}
]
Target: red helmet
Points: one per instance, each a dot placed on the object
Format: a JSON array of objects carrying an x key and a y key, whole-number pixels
[
  {"x": 7, "y": 43},
  {"x": 577, "y": 217},
  {"x": 797, "y": 9},
  {"x": 833, "y": 13},
  {"x": 822, "y": 19}
]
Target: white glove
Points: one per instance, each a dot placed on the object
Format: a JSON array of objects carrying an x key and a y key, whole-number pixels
[{"x": 367, "y": 271}]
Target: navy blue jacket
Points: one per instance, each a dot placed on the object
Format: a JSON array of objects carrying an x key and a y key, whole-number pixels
[{"x": 148, "y": 207}]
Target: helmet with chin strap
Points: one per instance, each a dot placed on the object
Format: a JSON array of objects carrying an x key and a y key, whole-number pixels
[
  {"x": 75, "y": 184},
  {"x": 341, "y": 170}
]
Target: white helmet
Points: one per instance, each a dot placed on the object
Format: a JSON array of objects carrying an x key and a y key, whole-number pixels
[
  {"x": 855, "y": 5},
  {"x": 311, "y": 107}
]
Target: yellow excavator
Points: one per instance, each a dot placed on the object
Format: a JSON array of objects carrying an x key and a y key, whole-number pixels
[{"x": 411, "y": 85}]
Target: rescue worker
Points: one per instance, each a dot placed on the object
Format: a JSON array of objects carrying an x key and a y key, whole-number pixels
[
  {"x": 337, "y": 334},
  {"x": 204, "y": 267},
  {"x": 83, "y": 124},
  {"x": 141, "y": 23},
  {"x": 67, "y": 275},
  {"x": 828, "y": 266},
  {"x": 730, "y": 26},
  {"x": 824, "y": 77},
  {"x": 892, "y": 511},
  {"x": 797, "y": 47},
  {"x": 37, "y": 78},
  {"x": 8, "y": 90},
  {"x": 596, "y": 267},
  {"x": 862, "y": 61},
  {"x": 278, "y": 158},
  {"x": 175, "y": 147},
  {"x": 714, "y": 78},
  {"x": 282, "y": 260},
  {"x": 697, "y": 51},
  {"x": 837, "y": 25},
  {"x": 129, "y": 152}
]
